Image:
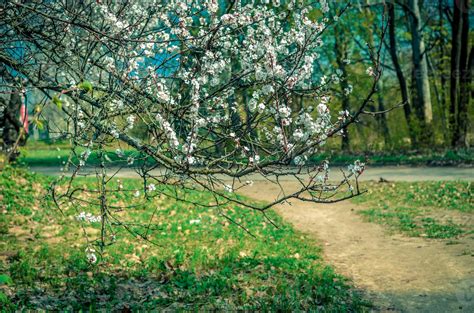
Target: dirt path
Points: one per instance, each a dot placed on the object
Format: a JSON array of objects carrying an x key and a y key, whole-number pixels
[
  {"x": 391, "y": 173},
  {"x": 399, "y": 273}
]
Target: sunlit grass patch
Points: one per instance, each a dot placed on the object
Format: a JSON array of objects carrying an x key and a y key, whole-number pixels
[
  {"x": 194, "y": 259},
  {"x": 426, "y": 209}
]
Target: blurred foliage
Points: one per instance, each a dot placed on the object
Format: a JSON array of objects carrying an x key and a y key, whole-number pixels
[{"x": 40, "y": 153}]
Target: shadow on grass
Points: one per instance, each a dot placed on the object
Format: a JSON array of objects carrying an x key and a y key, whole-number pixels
[
  {"x": 243, "y": 284},
  {"x": 460, "y": 298}
]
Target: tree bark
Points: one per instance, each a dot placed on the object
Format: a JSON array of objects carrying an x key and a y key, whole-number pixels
[
  {"x": 382, "y": 118},
  {"x": 440, "y": 98},
  {"x": 398, "y": 70},
  {"x": 440, "y": 73},
  {"x": 12, "y": 129},
  {"x": 423, "y": 104},
  {"x": 455, "y": 70},
  {"x": 465, "y": 75}
]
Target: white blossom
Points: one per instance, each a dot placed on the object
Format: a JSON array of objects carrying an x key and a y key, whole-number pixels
[
  {"x": 90, "y": 255},
  {"x": 88, "y": 217},
  {"x": 228, "y": 188},
  {"x": 324, "y": 6},
  {"x": 357, "y": 168},
  {"x": 130, "y": 121},
  {"x": 370, "y": 71}
]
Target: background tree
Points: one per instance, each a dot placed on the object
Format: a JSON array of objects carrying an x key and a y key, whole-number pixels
[
  {"x": 420, "y": 67},
  {"x": 461, "y": 71},
  {"x": 13, "y": 133},
  {"x": 398, "y": 70}
]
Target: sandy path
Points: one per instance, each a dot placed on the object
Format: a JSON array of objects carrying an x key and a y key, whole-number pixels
[
  {"x": 391, "y": 173},
  {"x": 399, "y": 273}
]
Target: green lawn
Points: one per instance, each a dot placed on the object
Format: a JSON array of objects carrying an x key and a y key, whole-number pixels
[
  {"x": 57, "y": 155},
  {"x": 37, "y": 153},
  {"x": 417, "y": 158},
  {"x": 426, "y": 209},
  {"x": 207, "y": 265}
]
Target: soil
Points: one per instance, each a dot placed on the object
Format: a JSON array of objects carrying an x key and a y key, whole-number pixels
[{"x": 389, "y": 173}]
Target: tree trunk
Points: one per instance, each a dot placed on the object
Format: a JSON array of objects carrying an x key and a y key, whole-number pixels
[
  {"x": 12, "y": 129},
  {"x": 423, "y": 104},
  {"x": 440, "y": 101},
  {"x": 455, "y": 69},
  {"x": 398, "y": 70},
  {"x": 382, "y": 118},
  {"x": 443, "y": 77},
  {"x": 465, "y": 66}
]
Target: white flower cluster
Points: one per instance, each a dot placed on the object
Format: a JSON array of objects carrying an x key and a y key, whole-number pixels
[
  {"x": 130, "y": 122},
  {"x": 261, "y": 51},
  {"x": 228, "y": 188},
  {"x": 88, "y": 217},
  {"x": 111, "y": 18},
  {"x": 90, "y": 255},
  {"x": 151, "y": 187},
  {"x": 84, "y": 156},
  {"x": 324, "y": 6},
  {"x": 207, "y": 84},
  {"x": 370, "y": 71},
  {"x": 169, "y": 131},
  {"x": 357, "y": 168}
]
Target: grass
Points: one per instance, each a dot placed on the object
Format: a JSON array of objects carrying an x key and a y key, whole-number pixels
[
  {"x": 421, "y": 209},
  {"x": 427, "y": 158},
  {"x": 38, "y": 153},
  {"x": 58, "y": 155},
  {"x": 210, "y": 265}
]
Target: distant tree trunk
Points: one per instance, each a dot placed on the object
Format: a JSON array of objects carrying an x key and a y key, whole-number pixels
[
  {"x": 382, "y": 118},
  {"x": 440, "y": 101},
  {"x": 455, "y": 69},
  {"x": 400, "y": 76},
  {"x": 341, "y": 54},
  {"x": 443, "y": 105},
  {"x": 12, "y": 129},
  {"x": 423, "y": 104},
  {"x": 443, "y": 77},
  {"x": 465, "y": 76}
]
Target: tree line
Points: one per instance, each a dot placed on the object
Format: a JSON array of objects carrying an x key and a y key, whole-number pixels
[{"x": 428, "y": 64}]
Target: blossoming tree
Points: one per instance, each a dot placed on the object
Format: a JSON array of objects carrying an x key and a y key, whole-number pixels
[{"x": 212, "y": 86}]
